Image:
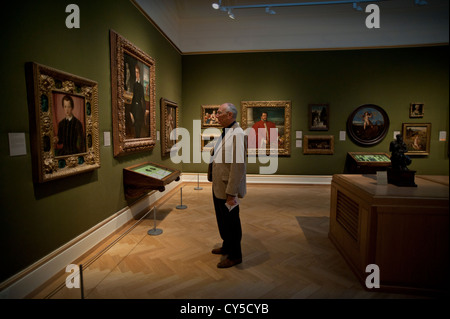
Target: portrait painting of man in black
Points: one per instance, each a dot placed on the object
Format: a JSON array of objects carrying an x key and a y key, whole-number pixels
[
  {"x": 137, "y": 98},
  {"x": 68, "y": 111}
]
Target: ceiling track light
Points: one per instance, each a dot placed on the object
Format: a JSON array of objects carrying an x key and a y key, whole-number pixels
[
  {"x": 269, "y": 6},
  {"x": 216, "y": 5}
]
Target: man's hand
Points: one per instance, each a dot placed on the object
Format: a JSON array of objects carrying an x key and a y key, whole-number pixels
[{"x": 231, "y": 200}]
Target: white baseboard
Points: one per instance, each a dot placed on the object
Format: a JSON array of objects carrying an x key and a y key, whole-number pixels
[
  {"x": 268, "y": 179},
  {"x": 40, "y": 272}
]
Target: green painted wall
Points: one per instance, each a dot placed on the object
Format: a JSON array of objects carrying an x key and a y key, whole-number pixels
[
  {"x": 390, "y": 78},
  {"x": 37, "y": 219}
]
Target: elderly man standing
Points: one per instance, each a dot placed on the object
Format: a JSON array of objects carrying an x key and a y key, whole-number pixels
[{"x": 227, "y": 173}]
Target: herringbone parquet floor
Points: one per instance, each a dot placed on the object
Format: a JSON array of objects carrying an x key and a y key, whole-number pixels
[{"x": 286, "y": 252}]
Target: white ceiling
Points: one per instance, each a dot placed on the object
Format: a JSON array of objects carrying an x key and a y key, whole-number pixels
[{"x": 193, "y": 26}]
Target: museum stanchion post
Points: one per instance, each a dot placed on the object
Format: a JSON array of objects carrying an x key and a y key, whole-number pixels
[
  {"x": 181, "y": 206},
  {"x": 154, "y": 231},
  {"x": 198, "y": 183}
]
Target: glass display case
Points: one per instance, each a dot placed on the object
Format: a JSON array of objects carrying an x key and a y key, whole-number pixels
[{"x": 366, "y": 162}]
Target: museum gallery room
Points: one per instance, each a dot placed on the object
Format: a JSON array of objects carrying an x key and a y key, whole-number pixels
[{"x": 114, "y": 110}]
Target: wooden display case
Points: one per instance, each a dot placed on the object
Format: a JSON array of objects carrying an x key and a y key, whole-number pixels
[
  {"x": 144, "y": 177},
  {"x": 366, "y": 162},
  {"x": 403, "y": 230}
]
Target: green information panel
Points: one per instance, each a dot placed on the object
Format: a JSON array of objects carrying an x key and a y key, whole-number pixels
[
  {"x": 152, "y": 171},
  {"x": 139, "y": 179}
]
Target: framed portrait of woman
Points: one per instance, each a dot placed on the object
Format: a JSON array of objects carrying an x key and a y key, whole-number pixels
[
  {"x": 416, "y": 110},
  {"x": 319, "y": 117}
]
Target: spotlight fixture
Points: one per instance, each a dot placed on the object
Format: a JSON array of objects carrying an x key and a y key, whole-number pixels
[
  {"x": 216, "y": 5},
  {"x": 230, "y": 14}
]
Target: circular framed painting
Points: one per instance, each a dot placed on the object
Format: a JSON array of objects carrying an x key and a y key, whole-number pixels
[{"x": 367, "y": 125}]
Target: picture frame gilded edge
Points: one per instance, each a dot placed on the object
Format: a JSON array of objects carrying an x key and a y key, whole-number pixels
[{"x": 42, "y": 82}]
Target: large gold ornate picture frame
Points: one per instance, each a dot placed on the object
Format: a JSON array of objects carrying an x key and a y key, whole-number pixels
[
  {"x": 133, "y": 97},
  {"x": 169, "y": 122},
  {"x": 63, "y": 112},
  {"x": 278, "y": 115}
]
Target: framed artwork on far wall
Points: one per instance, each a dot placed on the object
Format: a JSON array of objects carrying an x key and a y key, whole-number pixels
[
  {"x": 318, "y": 117},
  {"x": 267, "y": 116},
  {"x": 133, "y": 97},
  {"x": 318, "y": 144},
  {"x": 209, "y": 118},
  {"x": 416, "y": 110},
  {"x": 169, "y": 124},
  {"x": 63, "y": 113},
  {"x": 367, "y": 125},
  {"x": 417, "y": 138},
  {"x": 209, "y": 140}
]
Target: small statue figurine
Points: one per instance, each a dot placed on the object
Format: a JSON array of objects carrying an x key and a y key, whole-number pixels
[
  {"x": 398, "y": 158},
  {"x": 399, "y": 174}
]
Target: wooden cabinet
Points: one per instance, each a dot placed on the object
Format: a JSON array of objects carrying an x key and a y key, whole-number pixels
[
  {"x": 403, "y": 230},
  {"x": 142, "y": 178}
]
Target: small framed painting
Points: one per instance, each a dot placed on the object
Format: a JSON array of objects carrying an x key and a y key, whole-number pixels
[
  {"x": 318, "y": 144},
  {"x": 417, "y": 138},
  {"x": 318, "y": 117},
  {"x": 209, "y": 118},
  {"x": 416, "y": 110},
  {"x": 367, "y": 125}
]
